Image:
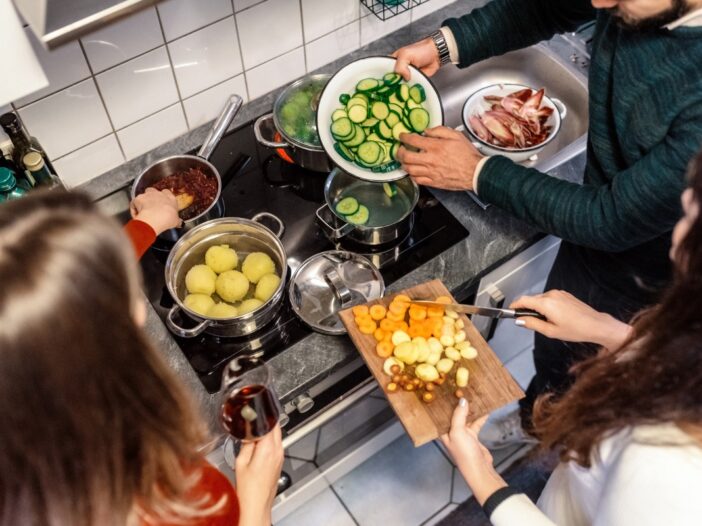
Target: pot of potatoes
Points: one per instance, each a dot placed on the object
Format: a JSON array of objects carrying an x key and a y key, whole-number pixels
[{"x": 228, "y": 276}]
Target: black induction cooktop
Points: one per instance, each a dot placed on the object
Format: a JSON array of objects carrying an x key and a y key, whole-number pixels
[{"x": 255, "y": 179}]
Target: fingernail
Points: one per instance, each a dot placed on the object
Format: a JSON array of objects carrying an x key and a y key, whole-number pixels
[
  {"x": 519, "y": 323},
  {"x": 463, "y": 402}
]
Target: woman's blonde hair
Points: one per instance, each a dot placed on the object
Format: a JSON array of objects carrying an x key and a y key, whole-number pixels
[{"x": 95, "y": 428}]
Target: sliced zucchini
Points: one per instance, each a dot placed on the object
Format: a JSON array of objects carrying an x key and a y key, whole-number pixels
[
  {"x": 390, "y": 189},
  {"x": 380, "y": 110},
  {"x": 403, "y": 92},
  {"x": 344, "y": 98},
  {"x": 394, "y": 149},
  {"x": 370, "y": 122},
  {"x": 419, "y": 119},
  {"x": 384, "y": 91},
  {"x": 392, "y": 99},
  {"x": 398, "y": 130},
  {"x": 342, "y": 129},
  {"x": 390, "y": 79},
  {"x": 358, "y": 138},
  {"x": 360, "y": 217},
  {"x": 356, "y": 101},
  {"x": 397, "y": 109},
  {"x": 374, "y": 137},
  {"x": 339, "y": 114},
  {"x": 345, "y": 152},
  {"x": 358, "y": 114},
  {"x": 393, "y": 119},
  {"x": 367, "y": 85},
  {"x": 412, "y": 105},
  {"x": 384, "y": 130},
  {"x": 347, "y": 206},
  {"x": 385, "y": 168},
  {"x": 369, "y": 153},
  {"x": 417, "y": 93}
]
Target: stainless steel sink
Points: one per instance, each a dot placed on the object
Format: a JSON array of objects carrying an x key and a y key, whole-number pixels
[{"x": 537, "y": 67}]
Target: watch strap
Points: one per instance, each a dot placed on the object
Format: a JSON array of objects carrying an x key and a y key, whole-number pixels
[{"x": 441, "y": 47}]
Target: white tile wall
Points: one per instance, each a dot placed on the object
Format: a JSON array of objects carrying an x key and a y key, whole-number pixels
[
  {"x": 183, "y": 16},
  {"x": 123, "y": 40},
  {"x": 67, "y": 120},
  {"x": 96, "y": 158},
  {"x": 322, "y": 16},
  {"x": 148, "y": 133},
  {"x": 207, "y": 105},
  {"x": 268, "y": 30},
  {"x": 206, "y": 57},
  {"x": 138, "y": 88},
  {"x": 209, "y": 54}
]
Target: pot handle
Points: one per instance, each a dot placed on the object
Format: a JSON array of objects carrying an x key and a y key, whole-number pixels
[
  {"x": 181, "y": 331},
  {"x": 334, "y": 233},
  {"x": 220, "y": 126},
  {"x": 338, "y": 287},
  {"x": 560, "y": 107},
  {"x": 259, "y": 134},
  {"x": 274, "y": 218}
]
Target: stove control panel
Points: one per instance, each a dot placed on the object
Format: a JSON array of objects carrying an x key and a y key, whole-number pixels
[{"x": 303, "y": 403}]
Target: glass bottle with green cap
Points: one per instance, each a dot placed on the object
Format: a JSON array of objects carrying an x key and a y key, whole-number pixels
[
  {"x": 9, "y": 186},
  {"x": 37, "y": 170}
]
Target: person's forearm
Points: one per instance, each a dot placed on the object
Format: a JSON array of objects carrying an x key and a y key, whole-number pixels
[
  {"x": 612, "y": 333},
  {"x": 483, "y": 481},
  {"x": 506, "y": 25}
]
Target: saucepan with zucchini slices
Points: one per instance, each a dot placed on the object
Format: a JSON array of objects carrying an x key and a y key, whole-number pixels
[{"x": 367, "y": 212}]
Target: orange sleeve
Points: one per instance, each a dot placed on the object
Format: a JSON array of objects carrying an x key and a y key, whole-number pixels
[{"x": 141, "y": 235}]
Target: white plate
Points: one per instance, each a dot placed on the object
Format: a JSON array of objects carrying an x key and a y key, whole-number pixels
[{"x": 344, "y": 81}]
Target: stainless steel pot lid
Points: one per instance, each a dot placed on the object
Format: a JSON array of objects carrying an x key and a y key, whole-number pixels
[
  {"x": 329, "y": 282},
  {"x": 295, "y": 111}
]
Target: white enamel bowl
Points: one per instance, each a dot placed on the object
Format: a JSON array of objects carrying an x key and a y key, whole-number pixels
[
  {"x": 344, "y": 81},
  {"x": 476, "y": 105}
]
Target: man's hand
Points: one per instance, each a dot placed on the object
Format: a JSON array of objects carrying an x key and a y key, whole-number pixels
[
  {"x": 446, "y": 158},
  {"x": 423, "y": 55},
  {"x": 158, "y": 209},
  {"x": 571, "y": 320},
  {"x": 258, "y": 466}
]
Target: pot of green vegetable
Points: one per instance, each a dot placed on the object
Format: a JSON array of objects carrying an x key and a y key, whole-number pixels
[
  {"x": 367, "y": 212},
  {"x": 293, "y": 124}
]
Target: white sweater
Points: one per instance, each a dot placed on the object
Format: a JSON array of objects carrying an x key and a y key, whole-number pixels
[{"x": 648, "y": 476}]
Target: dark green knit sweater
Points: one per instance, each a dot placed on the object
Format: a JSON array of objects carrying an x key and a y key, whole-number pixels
[{"x": 645, "y": 126}]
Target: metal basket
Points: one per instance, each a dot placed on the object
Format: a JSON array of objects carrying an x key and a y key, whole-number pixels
[{"x": 385, "y": 9}]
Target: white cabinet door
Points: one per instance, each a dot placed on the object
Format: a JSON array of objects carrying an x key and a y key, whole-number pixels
[{"x": 524, "y": 274}]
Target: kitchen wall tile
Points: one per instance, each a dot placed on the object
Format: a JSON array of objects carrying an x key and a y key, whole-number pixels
[
  {"x": 372, "y": 28},
  {"x": 269, "y": 30},
  {"x": 332, "y": 46},
  {"x": 208, "y": 104},
  {"x": 322, "y": 16},
  {"x": 146, "y": 134},
  {"x": 275, "y": 73},
  {"x": 206, "y": 57},
  {"x": 90, "y": 161},
  {"x": 183, "y": 16},
  {"x": 239, "y": 5},
  {"x": 138, "y": 88},
  {"x": 67, "y": 120},
  {"x": 63, "y": 66},
  {"x": 427, "y": 8},
  {"x": 123, "y": 40}
]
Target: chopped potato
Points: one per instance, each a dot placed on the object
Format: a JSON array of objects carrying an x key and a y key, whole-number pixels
[
  {"x": 462, "y": 377},
  {"x": 469, "y": 353},
  {"x": 452, "y": 314},
  {"x": 387, "y": 366},
  {"x": 427, "y": 373},
  {"x": 452, "y": 353},
  {"x": 459, "y": 337},
  {"x": 462, "y": 345},
  {"x": 422, "y": 347},
  {"x": 221, "y": 258},
  {"x": 406, "y": 352},
  {"x": 459, "y": 325},
  {"x": 435, "y": 345},
  {"x": 199, "y": 303},
  {"x": 434, "y": 356},
  {"x": 200, "y": 279},
  {"x": 447, "y": 341},
  {"x": 445, "y": 365}
]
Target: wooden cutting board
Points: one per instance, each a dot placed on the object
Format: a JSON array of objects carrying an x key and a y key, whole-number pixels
[{"x": 490, "y": 385}]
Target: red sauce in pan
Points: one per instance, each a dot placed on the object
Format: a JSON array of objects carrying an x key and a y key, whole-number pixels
[{"x": 193, "y": 182}]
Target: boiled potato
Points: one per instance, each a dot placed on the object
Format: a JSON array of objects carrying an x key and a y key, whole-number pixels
[
  {"x": 232, "y": 285},
  {"x": 423, "y": 349},
  {"x": 267, "y": 285},
  {"x": 223, "y": 310},
  {"x": 406, "y": 352},
  {"x": 199, "y": 303},
  {"x": 445, "y": 365},
  {"x": 200, "y": 279},
  {"x": 452, "y": 353},
  {"x": 221, "y": 258},
  {"x": 434, "y": 356},
  {"x": 469, "y": 353},
  {"x": 427, "y": 373},
  {"x": 462, "y": 377},
  {"x": 256, "y": 265},
  {"x": 435, "y": 345},
  {"x": 249, "y": 305},
  {"x": 459, "y": 337}
]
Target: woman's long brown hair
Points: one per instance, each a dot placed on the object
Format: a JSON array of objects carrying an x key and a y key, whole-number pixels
[
  {"x": 94, "y": 426},
  {"x": 654, "y": 378}
]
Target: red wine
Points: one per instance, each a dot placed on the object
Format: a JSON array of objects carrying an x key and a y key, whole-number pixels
[{"x": 250, "y": 412}]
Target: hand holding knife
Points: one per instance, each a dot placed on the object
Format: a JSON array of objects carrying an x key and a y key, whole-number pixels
[{"x": 490, "y": 312}]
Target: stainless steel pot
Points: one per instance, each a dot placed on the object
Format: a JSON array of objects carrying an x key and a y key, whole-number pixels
[
  {"x": 337, "y": 182},
  {"x": 176, "y": 163},
  {"x": 244, "y": 236},
  {"x": 270, "y": 131}
]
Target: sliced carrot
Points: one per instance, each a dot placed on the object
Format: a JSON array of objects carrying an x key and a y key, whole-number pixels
[
  {"x": 395, "y": 317},
  {"x": 360, "y": 310},
  {"x": 417, "y": 313},
  {"x": 402, "y": 297},
  {"x": 402, "y": 326},
  {"x": 443, "y": 299},
  {"x": 384, "y": 349},
  {"x": 435, "y": 312},
  {"x": 363, "y": 318},
  {"x": 367, "y": 327},
  {"x": 377, "y": 312},
  {"x": 427, "y": 328},
  {"x": 387, "y": 325},
  {"x": 398, "y": 308},
  {"x": 379, "y": 334},
  {"x": 413, "y": 331}
]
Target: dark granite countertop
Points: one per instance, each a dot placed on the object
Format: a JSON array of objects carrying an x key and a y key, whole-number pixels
[{"x": 495, "y": 237}]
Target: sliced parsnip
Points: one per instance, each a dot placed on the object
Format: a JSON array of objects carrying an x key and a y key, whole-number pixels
[
  {"x": 389, "y": 363},
  {"x": 399, "y": 337}
]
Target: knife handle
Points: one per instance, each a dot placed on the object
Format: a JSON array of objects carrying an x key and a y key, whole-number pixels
[{"x": 528, "y": 313}]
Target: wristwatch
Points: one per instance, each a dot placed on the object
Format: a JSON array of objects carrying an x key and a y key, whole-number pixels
[{"x": 441, "y": 47}]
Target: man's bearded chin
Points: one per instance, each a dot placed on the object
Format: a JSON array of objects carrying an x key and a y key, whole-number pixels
[{"x": 678, "y": 9}]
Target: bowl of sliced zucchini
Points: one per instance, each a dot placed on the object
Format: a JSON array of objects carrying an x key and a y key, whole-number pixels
[{"x": 364, "y": 110}]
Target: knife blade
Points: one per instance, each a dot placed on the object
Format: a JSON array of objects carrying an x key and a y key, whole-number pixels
[{"x": 490, "y": 312}]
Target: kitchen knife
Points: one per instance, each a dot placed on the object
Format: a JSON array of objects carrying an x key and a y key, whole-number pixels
[{"x": 490, "y": 312}]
